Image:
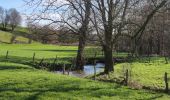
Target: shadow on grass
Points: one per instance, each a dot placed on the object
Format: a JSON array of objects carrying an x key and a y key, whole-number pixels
[
  {"x": 75, "y": 88},
  {"x": 53, "y": 50},
  {"x": 13, "y": 59},
  {"x": 46, "y": 64},
  {"x": 12, "y": 67},
  {"x": 29, "y": 61}
]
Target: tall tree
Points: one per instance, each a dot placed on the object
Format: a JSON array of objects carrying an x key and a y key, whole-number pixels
[
  {"x": 83, "y": 32},
  {"x": 73, "y": 14},
  {"x": 110, "y": 19}
]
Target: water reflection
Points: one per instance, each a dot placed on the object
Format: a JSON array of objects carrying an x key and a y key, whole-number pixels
[{"x": 88, "y": 70}]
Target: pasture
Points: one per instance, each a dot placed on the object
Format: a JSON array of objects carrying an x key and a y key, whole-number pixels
[{"x": 21, "y": 81}]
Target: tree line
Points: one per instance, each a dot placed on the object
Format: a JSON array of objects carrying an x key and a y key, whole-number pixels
[
  {"x": 116, "y": 23},
  {"x": 49, "y": 35}
]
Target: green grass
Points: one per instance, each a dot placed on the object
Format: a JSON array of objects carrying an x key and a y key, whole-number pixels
[
  {"x": 46, "y": 51},
  {"x": 19, "y": 81},
  {"x": 23, "y": 54},
  {"x": 20, "y": 53},
  {"x": 22, "y": 82},
  {"x": 143, "y": 73}
]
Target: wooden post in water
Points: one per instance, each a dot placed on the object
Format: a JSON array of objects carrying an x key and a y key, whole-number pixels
[
  {"x": 126, "y": 77},
  {"x": 64, "y": 67},
  {"x": 7, "y": 53},
  {"x": 33, "y": 58},
  {"x": 166, "y": 82}
]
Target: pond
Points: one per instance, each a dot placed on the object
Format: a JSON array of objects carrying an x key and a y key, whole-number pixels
[{"x": 88, "y": 70}]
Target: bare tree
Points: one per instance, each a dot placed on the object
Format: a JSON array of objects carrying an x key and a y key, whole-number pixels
[
  {"x": 84, "y": 13},
  {"x": 4, "y": 17},
  {"x": 111, "y": 18},
  {"x": 1, "y": 14},
  {"x": 73, "y": 14},
  {"x": 15, "y": 18}
]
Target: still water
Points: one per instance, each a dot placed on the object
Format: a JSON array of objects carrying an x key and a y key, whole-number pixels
[{"x": 88, "y": 70}]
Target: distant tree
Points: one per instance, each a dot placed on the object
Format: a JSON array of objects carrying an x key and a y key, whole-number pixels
[
  {"x": 44, "y": 34},
  {"x": 66, "y": 36},
  {"x": 4, "y": 17},
  {"x": 7, "y": 19},
  {"x": 1, "y": 14},
  {"x": 15, "y": 18}
]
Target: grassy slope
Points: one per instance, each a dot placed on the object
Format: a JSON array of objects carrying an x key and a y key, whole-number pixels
[
  {"x": 21, "y": 82},
  {"x": 144, "y": 73},
  {"x": 20, "y": 32},
  {"x": 6, "y": 36}
]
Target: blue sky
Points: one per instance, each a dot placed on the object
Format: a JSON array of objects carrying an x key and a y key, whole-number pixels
[
  {"x": 18, "y": 4},
  {"x": 21, "y": 7}
]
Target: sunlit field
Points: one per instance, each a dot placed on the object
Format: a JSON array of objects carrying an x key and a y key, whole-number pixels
[{"x": 22, "y": 82}]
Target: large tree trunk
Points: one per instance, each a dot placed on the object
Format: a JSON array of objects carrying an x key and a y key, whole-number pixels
[
  {"x": 108, "y": 55},
  {"x": 159, "y": 46},
  {"x": 80, "y": 61},
  {"x": 108, "y": 51}
]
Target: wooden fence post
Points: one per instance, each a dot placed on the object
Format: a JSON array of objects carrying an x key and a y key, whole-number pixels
[
  {"x": 73, "y": 62},
  {"x": 33, "y": 58},
  {"x": 41, "y": 62},
  {"x": 7, "y": 53},
  {"x": 94, "y": 69},
  {"x": 126, "y": 77},
  {"x": 64, "y": 67},
  {"x": 55, "y": 60},
  {"x": 68, "y": 71},
  {"x": 166, "y": 82},
  {"x": 53, "y": 64}
]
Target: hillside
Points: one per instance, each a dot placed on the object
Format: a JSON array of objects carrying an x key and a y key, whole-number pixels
[
  {"x": 22, "y": 82},
  {"x": 6, "y": 36},
  {"x": 21, "y": 34}
]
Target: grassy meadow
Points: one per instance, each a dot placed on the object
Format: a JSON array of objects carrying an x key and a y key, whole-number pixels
[{"x": 21, "y": 81}]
